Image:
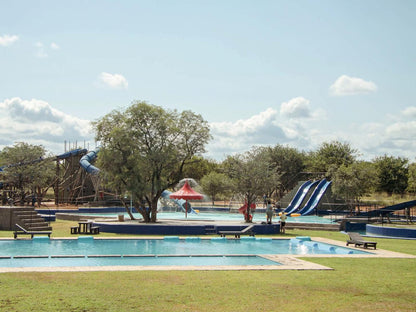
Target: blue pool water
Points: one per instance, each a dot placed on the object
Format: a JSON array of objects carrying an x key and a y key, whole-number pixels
[
  {"x": 87, "y": 251},
  {"x": 220, "y": 216},
  {"x": 257, "y": 217},
  {"x": 54, "y": 261}
]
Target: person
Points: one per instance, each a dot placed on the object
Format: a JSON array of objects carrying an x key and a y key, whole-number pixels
[
  {"x": 408, "y": 218},
  {"x": 269, "y": 212},
  {"x": 283, "y": 218}
]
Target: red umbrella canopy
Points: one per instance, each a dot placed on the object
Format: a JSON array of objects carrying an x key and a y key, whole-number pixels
[{"x": 186, "y": 192}]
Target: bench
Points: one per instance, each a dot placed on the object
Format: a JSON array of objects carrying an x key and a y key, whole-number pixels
[
  {"x": 248, "y": 230},
  {"x": 358, "y": 240},
  {"x": 92, "y": 230},
  {"x": 95, "y": 230},
  {"x": 22, "y": 231}
]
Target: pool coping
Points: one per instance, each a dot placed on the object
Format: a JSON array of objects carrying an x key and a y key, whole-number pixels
[{"x": 286, "y": 262}]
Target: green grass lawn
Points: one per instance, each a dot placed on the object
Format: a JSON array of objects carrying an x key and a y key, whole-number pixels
[{"x": 354, "y": 285}]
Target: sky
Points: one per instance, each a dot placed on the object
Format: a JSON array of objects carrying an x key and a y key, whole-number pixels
[{"x": 262, "y": 73}]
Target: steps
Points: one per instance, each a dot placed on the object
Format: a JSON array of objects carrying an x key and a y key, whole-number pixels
[
  {"x": 28, "y": 218},
  {"x": 210, "y": 229}
]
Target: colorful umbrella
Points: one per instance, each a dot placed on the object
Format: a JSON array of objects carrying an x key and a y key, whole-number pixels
[{"x": 187, "y": 193}]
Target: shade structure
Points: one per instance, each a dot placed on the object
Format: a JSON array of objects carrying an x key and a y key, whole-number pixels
[{"x": 186, "y": 192}]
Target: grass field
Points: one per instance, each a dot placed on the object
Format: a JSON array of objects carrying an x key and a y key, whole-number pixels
[{"x": 354, "y": 285}]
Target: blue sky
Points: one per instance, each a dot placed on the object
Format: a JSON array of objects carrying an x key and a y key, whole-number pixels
[{"x": 296, "y": 73}]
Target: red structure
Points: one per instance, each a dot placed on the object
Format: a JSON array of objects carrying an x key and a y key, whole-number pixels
[{"x": 186, "y": 193}]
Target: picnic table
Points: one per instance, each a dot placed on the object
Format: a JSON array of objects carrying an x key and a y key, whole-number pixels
[{"x": 85, "y": 227}]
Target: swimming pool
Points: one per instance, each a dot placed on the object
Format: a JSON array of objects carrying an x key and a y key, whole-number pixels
[{"x": 87, "y": 251}]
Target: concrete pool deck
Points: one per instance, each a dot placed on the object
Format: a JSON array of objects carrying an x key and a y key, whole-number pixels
[{"x": 287, "y": 262}]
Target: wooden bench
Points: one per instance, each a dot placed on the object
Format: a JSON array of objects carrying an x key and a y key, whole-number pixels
[
  {"x": 22, "y": 231},
  {"x": 248, "y": 230}
]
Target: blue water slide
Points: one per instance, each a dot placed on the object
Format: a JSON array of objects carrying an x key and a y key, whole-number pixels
[
  {"x": 299, "y": 196},
  {"x": 315, "y": 198},
  {"x": 72, "y": 153},
  {"x": 181, "y": 203},
  {"x": 389, "y": 209},
  {"x": 86, "y": 161}
]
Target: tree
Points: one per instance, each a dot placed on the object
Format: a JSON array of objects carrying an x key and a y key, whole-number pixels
[
  {"x": 198, "y": 167},
  {"x": 251, "y": 175},
  {"x": 28, "y": 170},
  {"x": 145, "y": 149},
  {"x": 354, "y": 181},
  {"x": 392, "y": 174},
  {"x": 215, "y": 184},
  {"x": 330, "y": 156},
  {"x": 411, "y": 188},
  {"x": 288, "y": 163}
]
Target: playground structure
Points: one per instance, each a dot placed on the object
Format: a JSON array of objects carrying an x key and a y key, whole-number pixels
[
  {"x": 73, "y": 183},
  {"x": 77, "y": 181}
]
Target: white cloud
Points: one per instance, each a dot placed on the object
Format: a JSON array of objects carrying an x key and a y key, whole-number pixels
[
  {"x": 346, "y": 85},
  {"x": 409, "y": 112},
  {"x": 392, "y": 134},
  {"x": 37, "y": 122},
  {"x": 265, "y": 128},
  {"x": 40, "y": 50},
  {"x": 114, "y": 81},
  {"x": 7, "y": 40},
  {"x": 54, "y": 46},
  {"x": 296, "y": 108}
]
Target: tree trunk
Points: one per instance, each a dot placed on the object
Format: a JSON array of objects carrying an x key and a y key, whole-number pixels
[
  {"x": 153, "y": 209},
  {"x": 128, "y": 210},
  {"x": 142, "y": 210},
  {"x": 247, "y": 216}
]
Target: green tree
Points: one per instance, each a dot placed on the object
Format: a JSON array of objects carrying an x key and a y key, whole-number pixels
[
  {"x": 392, "y": 173},
  {"x": 28, "y": 170},
  {"x": 353, "y": 182},
  {"x": 198, "y": 166},
  {"x": 251, "y": 175},
  {"x": 145, "y": 148},
  {"x": 411, "y": 188},
  {"x": 288, "y": 163},
  {"x": 330, "y": 156},
  {"x": 215, "y": 184}
]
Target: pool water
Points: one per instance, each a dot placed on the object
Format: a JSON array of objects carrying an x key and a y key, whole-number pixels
[
  {"x": 257, "y": 217},
  {"x": 220, "y": 216},
  {"x": 68, "y": 261},
  {"x": 86, "y": 250}
]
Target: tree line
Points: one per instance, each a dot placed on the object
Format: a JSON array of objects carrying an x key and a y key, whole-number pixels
[
  {"x": 146, "y": 149},
  {"x": 276, "y": 170}
]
